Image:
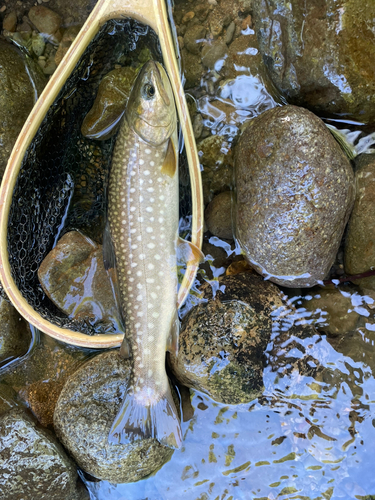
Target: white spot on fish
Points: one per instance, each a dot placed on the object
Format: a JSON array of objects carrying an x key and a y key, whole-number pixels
[
  {"x": 132, "y": 209},
  {"x": 137, "y": 389},
  {"x": 160, "y": 220},
  {"x": 132, "y": 172},
  {"x": 149, "y": 373},
  {"x": 150, "y": 190},
  {"x": 149, "y": 209},
  {"x": 149, "y": 229},
  {"x": 139, "y": 273},
  {"x": 150, "y": 325},
  {"x": 138, "y": 358},
  {"x": 142, "y": 256},
  {"x": 147, "y": 151},
  {"x": 139, "y": 238},
  {"x": 157, "y": 257},
  {"x": 153, "y": 295},
  {"x": 146, "y": 350},
  {"x": 141, "y": 162},
  {"x": 141, "y": 380},
  {"x": 150, "y": 338},
  {"x": 161, "y": 197},
  {"x": 134, "y": 247},
  {"x": 151, "y": 245},
  {"x": 151, "y": 266},
  {"x": 152, "y": 163},
  {"x": 132, "y": 190},
  {"x": 139, "y": 298},
  {"x": 137, "y": 325},
  {"x": 155, "y": 315},
  {"x": 150, "y": 280},
  {"x": 139, "y": 314},
  {"x": 139, "y": 285},
  {"x": 133, "y": 264},
  {"x": 140, "y": 219}
]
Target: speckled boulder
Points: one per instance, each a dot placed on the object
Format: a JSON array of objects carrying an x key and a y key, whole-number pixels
[
  {"x": 222, "y": 340},
  {"x": 295, "y": 191},
  {"x": 33, "y": 465},
  {"x": 360, "y": 239},
  {"x": 320, "y": 54},
  {"x": 83, "y": 417}
]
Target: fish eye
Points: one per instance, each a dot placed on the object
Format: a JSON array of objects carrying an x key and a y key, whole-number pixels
[{"x": 148, "y": 91}]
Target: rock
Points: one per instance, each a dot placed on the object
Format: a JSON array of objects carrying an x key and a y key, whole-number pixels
[
  {"x": 197, "y": 125},
  {"x": 360, "y": 238},
  {"x": 212, "y": 151},
  {"x": 44, "y": 19},
  {"x": 38, "y": 44},
  {"x": 8, "y": 398},
  {"x": 102, "y": 121},
  {"x": 32, "y": 462},
  {"x": 66, "y": 41},
  {"x": 19, "y": 79},
  {"x": 192, "y": 69},
  {"x": 334, "y": 310},
  {"x": 84, "y": 415},
  {"x": 218, "y": 216},
  {"x": 15, "y": 335},
  {"x": 223, "y": 339},
  {"x": 213, "y": 56},
  {"x": 320, "y": 55},
  {"x": 192, "y": 38},
  {"x": 10, "y": 21},
  {"x": 243, "y": 57},
  {"x": 74, "y": 278},
  {"x": 295, "y": 192},
  {"x": 230, "y": 33},
  {"x": 42, "y": 397}
]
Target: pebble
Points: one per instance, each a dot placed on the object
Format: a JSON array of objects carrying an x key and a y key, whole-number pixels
[
  {"x": 218, "y": 216},
  {"x": 188, "y": 17},
  {"x": 10, "y": 22},
  {"x": 230, "y": 33},
  {"x": 44, "y": 19}
]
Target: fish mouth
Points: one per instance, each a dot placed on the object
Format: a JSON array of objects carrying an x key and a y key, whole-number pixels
[{"x": 159, "y": 82}]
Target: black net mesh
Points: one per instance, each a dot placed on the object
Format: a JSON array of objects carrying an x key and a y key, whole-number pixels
[{"x": 63, "y": 178}]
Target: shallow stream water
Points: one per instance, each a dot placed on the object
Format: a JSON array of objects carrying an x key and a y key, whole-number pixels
[{"x": 311, "y": 434}]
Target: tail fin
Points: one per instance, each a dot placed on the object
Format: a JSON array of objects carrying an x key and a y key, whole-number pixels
[{"x": 158, "y": 420}]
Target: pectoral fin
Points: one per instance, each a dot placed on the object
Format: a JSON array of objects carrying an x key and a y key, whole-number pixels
[
  {"x": 188, "y": 253},
  {"x": 170, "y": 161}
]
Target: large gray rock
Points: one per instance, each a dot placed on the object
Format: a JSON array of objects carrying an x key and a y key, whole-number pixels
[
  {"x": 33, "y": 465},
  {"x": 84, "y": 415},
  {"x": 320, "y": 54},
  {"x": 20, "y": 80},
  {"x": 360, "y": 239},
  {"x": 295, "y": 192},
  {"x": 15, "y": 335},
  {"x": 223, "y": 339}
]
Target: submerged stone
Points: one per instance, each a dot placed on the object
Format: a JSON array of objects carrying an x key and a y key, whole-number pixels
[
  {"x": 320, "y": 55},
  {"x": 103, "y": 118},
  {"x": 33, "y": 465},
  {"x": 74, "y": 278},
  {"x": 295, "y": 192},
  {"x": 84, "y": 415},
  {"x": 360, "y": 239},
  {"x": 21, "y": 82},
  {"x": 218, "y": 215},
  {"x": 15, "y": 335},
  {"x": 223, "y": 339}
]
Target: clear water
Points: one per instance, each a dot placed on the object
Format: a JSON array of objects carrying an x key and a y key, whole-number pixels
[{"x": 311, "y": 433}]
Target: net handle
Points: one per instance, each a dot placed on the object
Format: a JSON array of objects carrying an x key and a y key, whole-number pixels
[{"x": 154, "y": 14}]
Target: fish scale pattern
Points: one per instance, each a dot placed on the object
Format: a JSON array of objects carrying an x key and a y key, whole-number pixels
[{"x": 63, "y": 178}]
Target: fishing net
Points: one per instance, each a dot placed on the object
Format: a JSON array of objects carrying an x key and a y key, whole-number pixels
[{"x": 63, "y": 178}]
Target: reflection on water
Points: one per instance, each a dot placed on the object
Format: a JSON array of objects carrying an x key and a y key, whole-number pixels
[{"x": 309, "y": 436}]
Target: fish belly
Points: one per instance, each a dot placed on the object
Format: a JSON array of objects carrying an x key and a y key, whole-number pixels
[{"x": 143, "y": 219}]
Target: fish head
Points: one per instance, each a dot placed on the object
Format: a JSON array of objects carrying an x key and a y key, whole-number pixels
[{"x": 151, "y": 110}]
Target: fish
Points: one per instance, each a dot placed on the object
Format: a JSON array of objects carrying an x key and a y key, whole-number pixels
[{"x": 142, "y": 235}]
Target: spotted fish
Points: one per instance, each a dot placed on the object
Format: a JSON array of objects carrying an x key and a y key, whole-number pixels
[{"x": 143, "y": 217}]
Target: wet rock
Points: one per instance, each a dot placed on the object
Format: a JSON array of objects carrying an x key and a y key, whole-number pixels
[
  {"x": 74, "y": 278},
  {"x": 333, "y": 309},
  {"x": 10, "y": 21},
  {"x": 38, "y": 44},
  {"x": 319, "y": 55},
  {"x": 67, "y": 39},
  {"x": 193, "y": 38},
  {"x": 360, "y": 239},
  {"x": 192, "y": 69},
  {"x": 213, "y": 56},
  {"x": 19, "y": 78},
  {"x": 197, "y": 125},
  {"x": 218, "y": 216},
  {"x": 44, "y": 19},
  {"x": 295, "y": 192},
  {"x": 230, "y": 33},
  {"x": 243, "y": 57},
  {"x": 212, "y": 151},
  {"x": 103, "y": 118},
  {"x": 84, "y": 415},
  {"x": 8, "y": 398},
  {"x": 222, "y": 341},
  {"x": 42, "y": 397},
  {"x": 15, "y": 335},
  {"x": 32, "y": 462}
]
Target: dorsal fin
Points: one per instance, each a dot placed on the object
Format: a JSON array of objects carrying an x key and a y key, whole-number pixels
[{"x": 170, "y": 161}]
